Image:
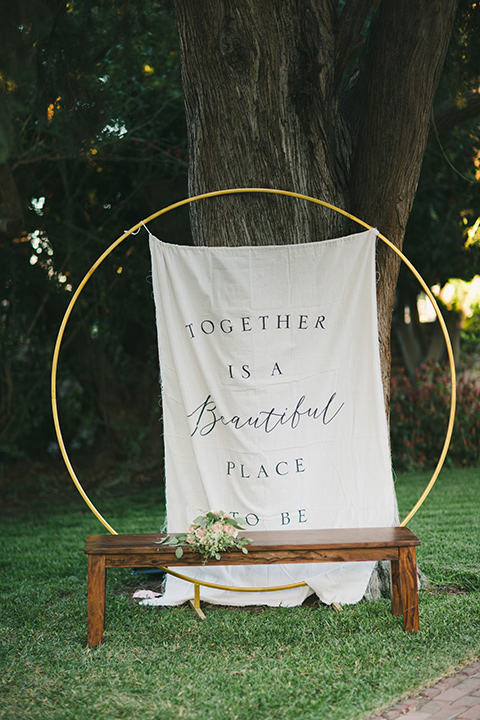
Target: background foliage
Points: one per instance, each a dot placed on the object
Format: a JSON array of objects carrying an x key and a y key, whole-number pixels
[
  {"x": 92, "y": 139},
  {"x": 446, "y": 205},
  {"x": 419, "y": 416},
  {"x": 92, "y": 128}
]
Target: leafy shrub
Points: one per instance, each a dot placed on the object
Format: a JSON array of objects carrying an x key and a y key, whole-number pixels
[
  {"x": 471, "y": 332},
  {"x": 419, "y": 414}
]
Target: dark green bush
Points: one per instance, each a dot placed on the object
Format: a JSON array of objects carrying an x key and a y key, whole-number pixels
[{"x": 419, "y": 418}]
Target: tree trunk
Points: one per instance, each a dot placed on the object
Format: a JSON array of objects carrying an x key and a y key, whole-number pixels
[
  {"x": 265, "y": 108},
  {"x": 262, "y": 112}
]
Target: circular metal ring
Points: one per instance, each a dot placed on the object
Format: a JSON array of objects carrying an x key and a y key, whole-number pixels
[{"x": 233, "y": 191}]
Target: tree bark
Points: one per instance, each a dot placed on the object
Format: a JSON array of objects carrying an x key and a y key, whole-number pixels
[{"x": 262, "y": 112}]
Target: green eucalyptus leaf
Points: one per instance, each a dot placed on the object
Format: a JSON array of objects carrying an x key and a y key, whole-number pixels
[
  {"x": 235, "y": 524},
  {"x": 179, "y": 553}
]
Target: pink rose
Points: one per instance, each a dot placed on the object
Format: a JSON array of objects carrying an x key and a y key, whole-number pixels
[
  {"x": 217, "y": 527},
  {"x": 231, "y": 530},
  {"x": 199, "y": 532},
  {"x": 191, "y": 529}
]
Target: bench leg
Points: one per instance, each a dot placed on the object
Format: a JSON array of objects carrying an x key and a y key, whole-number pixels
[
  {"x": 396, "y": 591},
  {"x": 97, "y": 585},
  {"x": 409, "y": 590}
]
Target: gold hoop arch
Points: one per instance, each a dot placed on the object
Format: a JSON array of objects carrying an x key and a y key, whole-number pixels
[{"x": 232, "y": 191}]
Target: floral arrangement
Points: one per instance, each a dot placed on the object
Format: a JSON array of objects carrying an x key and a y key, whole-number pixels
[{"x": 209, "y": 535}]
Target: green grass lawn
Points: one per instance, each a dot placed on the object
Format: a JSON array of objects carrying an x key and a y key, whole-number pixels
[{"x": 300, "y": 663}]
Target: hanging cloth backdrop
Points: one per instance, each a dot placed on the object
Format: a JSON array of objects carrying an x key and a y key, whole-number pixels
[{"x": 272, "y": 403}]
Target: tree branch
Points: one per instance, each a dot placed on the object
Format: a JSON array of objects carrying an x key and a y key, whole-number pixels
[
  {"x": 349, "y": 30},
  {"x": 451, "y": 112}
]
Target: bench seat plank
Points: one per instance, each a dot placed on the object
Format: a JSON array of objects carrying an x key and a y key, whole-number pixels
[{"x": 340, "y": 538}]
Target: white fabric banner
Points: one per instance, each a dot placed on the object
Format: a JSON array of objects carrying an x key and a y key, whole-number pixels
[{"x": 272, "y": 403}]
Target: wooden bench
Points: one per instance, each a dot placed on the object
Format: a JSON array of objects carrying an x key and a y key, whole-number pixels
[{"x": 302, "y": 546}]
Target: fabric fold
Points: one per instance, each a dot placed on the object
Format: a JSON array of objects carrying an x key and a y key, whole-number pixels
[{"x": 272, "y": 402}]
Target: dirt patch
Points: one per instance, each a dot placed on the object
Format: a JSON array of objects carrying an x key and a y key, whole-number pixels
[{"x": 447, "y": 590}]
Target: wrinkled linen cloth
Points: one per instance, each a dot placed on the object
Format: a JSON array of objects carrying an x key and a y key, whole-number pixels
[{"x": 272, "y": 403}]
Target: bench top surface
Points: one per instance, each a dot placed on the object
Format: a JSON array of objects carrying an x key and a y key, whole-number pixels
[{"x": 266, "y": 540}]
